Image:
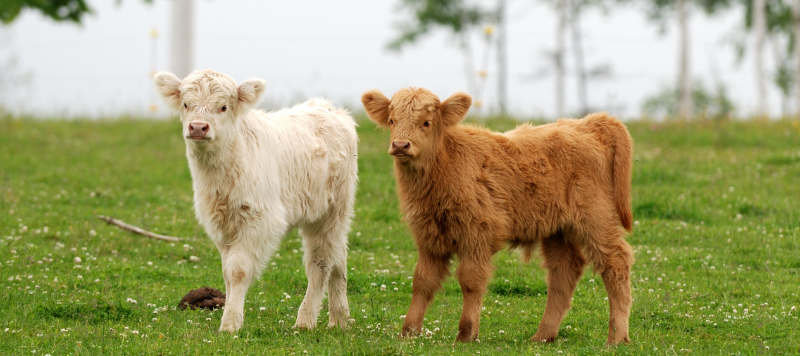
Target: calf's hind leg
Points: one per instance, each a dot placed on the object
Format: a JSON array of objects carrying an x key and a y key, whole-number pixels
[
  {"x": 564, "y": 263},
  {"x": 337, "y": 294},
  {"x": 325, "y": 245},
  {"x": 613, "y": 258}
]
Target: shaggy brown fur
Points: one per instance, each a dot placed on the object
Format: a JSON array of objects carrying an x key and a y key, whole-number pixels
[{"x": 470, "y": 192}]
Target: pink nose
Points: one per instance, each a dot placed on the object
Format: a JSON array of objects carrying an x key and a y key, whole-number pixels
[
  {"x": 400, "y": 147},
  {"x": 198, "y": 129}
]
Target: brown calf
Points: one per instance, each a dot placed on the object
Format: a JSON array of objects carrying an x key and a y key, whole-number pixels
[{"x": 469, "y": 192}]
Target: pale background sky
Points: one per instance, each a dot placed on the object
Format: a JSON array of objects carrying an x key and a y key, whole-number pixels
[{"x": 336, "y": 49}]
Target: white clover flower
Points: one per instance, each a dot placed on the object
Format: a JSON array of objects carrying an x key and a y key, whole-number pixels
[
  {"x": 77, "y": 260},
  {"x": 194, "y": 258}
]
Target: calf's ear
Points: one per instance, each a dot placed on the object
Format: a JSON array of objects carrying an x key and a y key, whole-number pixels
[
  {"x": 377, "y": 106},
  {"x": 250, "y": 92},
  {"x": 169, "y": 87},
  {"x": 455, "y": 108}
]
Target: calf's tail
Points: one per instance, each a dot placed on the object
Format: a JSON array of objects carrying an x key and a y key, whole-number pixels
[{"x": 623, "y": 165}]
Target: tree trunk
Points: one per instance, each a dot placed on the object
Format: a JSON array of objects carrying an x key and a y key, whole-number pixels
[
  {"x": 782, "y": 63},
  {"x": 469, "y": 67},
  {"x": 182, "y": 37},
  {"x": 561, "y": 8},
  {"x": 502, "y": 63},
  {"x": 685, "y": 86},
  {"x": 760, "y": 27},
  {"x": 580, "y": 67},
  {"x": 796, "y": 25}
]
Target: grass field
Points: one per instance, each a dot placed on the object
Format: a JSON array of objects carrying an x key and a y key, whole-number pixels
[{"x": 717, "y": 241}]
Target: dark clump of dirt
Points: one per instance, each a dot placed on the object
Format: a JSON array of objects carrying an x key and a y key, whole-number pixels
[{"x": 203, "y": 298}]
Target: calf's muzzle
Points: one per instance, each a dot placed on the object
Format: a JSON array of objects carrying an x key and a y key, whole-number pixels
[
  {"x": 400, "y": 148},
  {"x": 198, "y": 129}
]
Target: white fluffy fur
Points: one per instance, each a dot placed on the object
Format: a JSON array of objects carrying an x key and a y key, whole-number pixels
[{"x": 258, "y": 175}]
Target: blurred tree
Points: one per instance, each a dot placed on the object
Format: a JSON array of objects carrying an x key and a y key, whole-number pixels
[
  {"x": 568, "y": 13},
  {"x": 795, "y": 6},
  {"x": 576, "y": 8},
  {"x": 662, "y": 10},
  {"x": 58, "y": 10},
  {"x": 461, "y": 19},
  {"x": 707, "y": 105},
  {"x": 780, "y": 22},
  {"x": 760, "y": 26}
]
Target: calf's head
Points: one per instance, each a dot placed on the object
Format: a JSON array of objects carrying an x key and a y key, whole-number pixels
[
  {"x": 416, "y": 119},
  {"x": 209, "y": 101}
]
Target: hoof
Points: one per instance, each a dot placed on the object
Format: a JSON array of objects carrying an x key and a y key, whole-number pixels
[
  {"x": 408, "y": 333},
  {"x": 228, "y": 328},
  {"x": 543, "y": 338},
  {"x": 466, "y": 337},
  {"x": 342, "y": 322},
  {"x": 619, "y": 340},
  {"x": 303, "y": 326}
]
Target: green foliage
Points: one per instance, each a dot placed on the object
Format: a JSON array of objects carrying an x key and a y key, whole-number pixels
[
  {"x": 715, "y": 106},
  {"x": 425, "y": 15},
  {"x": 777, "y": 12},
  {"x": 660, "y": 10},
  {"x": 716, "y": 233},
  {"x": 58, "y": 10}
]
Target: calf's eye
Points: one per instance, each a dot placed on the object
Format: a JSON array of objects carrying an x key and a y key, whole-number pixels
[
  {"x": 185, "y": 106},
  {"x": 391, "y": 122},
  {"x": 224, "y": 108},
  {"x": 427, "y": 123}
]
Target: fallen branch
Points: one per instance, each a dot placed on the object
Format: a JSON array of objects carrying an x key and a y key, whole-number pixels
[{"x": 131, "y": 228}]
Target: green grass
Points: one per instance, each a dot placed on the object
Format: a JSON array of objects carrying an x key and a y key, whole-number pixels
[{"x": 717, "y": 241}]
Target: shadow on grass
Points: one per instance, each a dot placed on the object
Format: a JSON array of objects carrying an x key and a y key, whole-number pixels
[
  {"x": 663, "y": 211},
  {"x": 91, "y": 313}
]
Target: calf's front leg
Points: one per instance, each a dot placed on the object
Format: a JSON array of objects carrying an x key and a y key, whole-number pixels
[
  {"x": 473, "y": 275},
  {"x": 239, "y": 269},
  {"x": 428, "y": 278}
]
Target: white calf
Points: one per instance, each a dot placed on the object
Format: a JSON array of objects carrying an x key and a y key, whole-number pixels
[{"x": 256, "y": 175}]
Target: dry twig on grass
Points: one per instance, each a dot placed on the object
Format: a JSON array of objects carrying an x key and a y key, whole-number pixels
[{"x": 131, "y": 228}]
